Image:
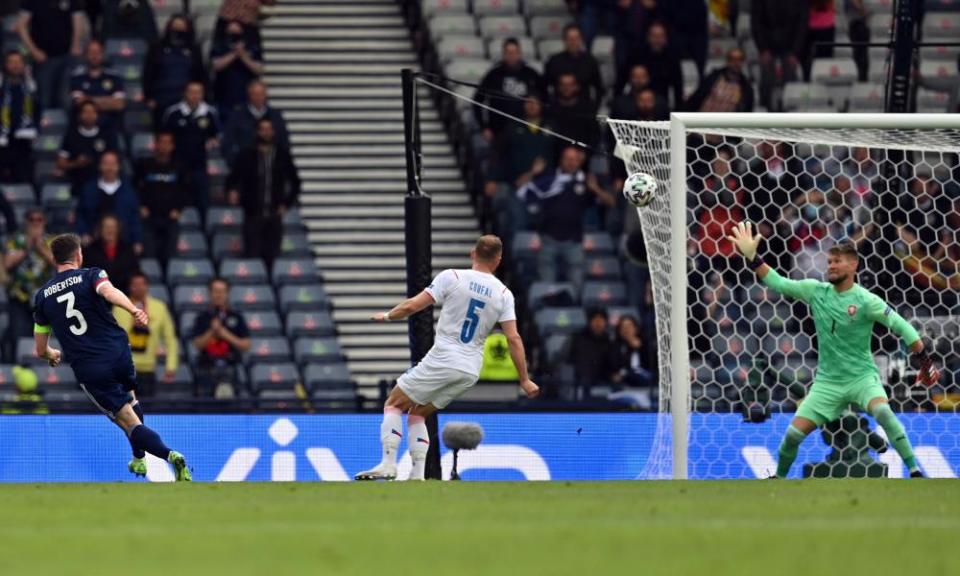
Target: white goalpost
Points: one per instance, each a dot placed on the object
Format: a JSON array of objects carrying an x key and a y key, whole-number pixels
[{"x": 888, "y": 182}]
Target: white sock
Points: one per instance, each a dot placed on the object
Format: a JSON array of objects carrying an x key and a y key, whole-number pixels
[
  {"x": 391, "y": 432},
  {"x": 418, "y": 442}
]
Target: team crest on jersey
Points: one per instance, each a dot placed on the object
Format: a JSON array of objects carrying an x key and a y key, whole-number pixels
[
  {"x": 852, "y": 310},
  {"x": 99, "y": 145},
  {"x": 203, "y": 123},
  {"x": 102, "y": 274},
  {"x": 108, "y": 84}
]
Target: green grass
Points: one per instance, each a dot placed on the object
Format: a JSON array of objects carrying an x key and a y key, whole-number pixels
[{"x": 814, "y": 528}]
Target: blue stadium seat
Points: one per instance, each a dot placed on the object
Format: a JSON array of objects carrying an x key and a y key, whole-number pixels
[
  {"x": 191, "y": 245},
  {"x": 125, "y": 50},
  {"x": 151, "y": 268},
  {"x": 316, "y": 324},
  {"x": 603, "y": 294},
  {"x": 295, "y": 245},
  {"x": 224, "y": 218},
  {"x": 329, "y": 381},
  {"x": 526, "y": 244},
  {"x": 60, "y": 377},
  {"x": 6, "y": 376},
  {"x": 19, "y": 194},
  {"x": 560, "y": 321},
  {"x": 186, "y": 320},
  {"x": 56, "y": 196},
  {"x": 303, "y": 297},
  {"x": 227, "y": 245},
  {"x": 603, "y": 268},
  {"x": 161, "y": 293},
  {"x": 263, "y": 323},
  {"x": 46, "y": 146},
  {"x": 274, "y": 376},
  {"x": 557, "y": 348},
  {"x": 293, "y": 221},
  {"x": 54, "y": 121},
  {"x": 191, "y": 297},
  {"x": 25, "y": 349},
  {"x": 181, "y": 388},
  {"x": 189, "y": 219},
  {"x": 241, "y": 271},
  {"x": 253, "y": 297},
  {"x": 142, "y": 145},
  {"x": 268, "y": 349},
  {"x": 306, "y": 350},
  {"x": 596, "y": 243},
  {"x": 551, "y": 291},
  {"x": 294, "y": 271},
  {"x": 189, "y": 271}
]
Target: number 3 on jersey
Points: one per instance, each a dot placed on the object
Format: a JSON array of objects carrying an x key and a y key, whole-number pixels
[
  {"x": 472, "y": 321},
  {"x": 81, "y": 328}
]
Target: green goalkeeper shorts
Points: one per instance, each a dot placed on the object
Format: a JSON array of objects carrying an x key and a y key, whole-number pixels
[{"x": 827, "y": 400}]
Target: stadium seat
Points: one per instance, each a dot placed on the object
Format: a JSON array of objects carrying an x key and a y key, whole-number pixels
[
  {"x": 615, "y": 313},
  {"x": 189, "y": 219},
  {"x": 549, "y": 26},
  {"x": 460, "y": 46},
  {"x": 444, "y": 25},
  {"x": 549, "y": 46},
  {"x": 545, "y": 7},
  {"x": 557, "y": 349},
  {"x": 560, "y": 321},
  {"x": 19, "y": 194},
  {"x": 467, "y": 69},
  {"x": 602, "y": 49},
  {"x": 541, "y": 294},
  {"x": 941, "y": 26},
  {"x": 240, "y": 271},
  {"x": 161, "y": 293},
  {"x": 56, "y": 196},
  {"x": 311, "y": 297},
  {"x": 603, "y": 268},
  {"x": 191, "y": 245},
  {"x": 526, "y": 245},
  {"x": 595, "y": 243},
  {"x": 930, "y": 101},
  {"x": 831, "y": 71},
  {"x": 293, "y": 221},
  {"x": 6, "y": 376},
  {"x": 151, "y": 268},
  {"x": 55, "y": 377},
  {"x": 502, "y": 26},
  {"x": 315, "y": 324},
  {"x": 189, "y": 271},
  {"x": 46, "y": 146},
  {"x": 195, "y": 298},
  {"x": 939, "y": 69},
  {"x": 228, "y": 245},
  {"x": 186, "y": 320},
  {"x": 54, "y": 121},
  {"x": 125, "y": 49},
  {"x": 294, "y": 271},
  {"x": 329, "y": 381},
  {"x": 142, "y": 145},
  {"x": 25, "y": 349},
  {"x": 295, "y": 245},
  {"x": 270, "y": 349},
  {"x": 603, "y": 294},
  {"x": 263, "y": 323},
  {"x": 866, "y": 97},
  {"x": 180, "y": 388},
  {"x": 136, "y": 120},
  {"x": 274, "y": 376},
  {"x": 880, "y": 24},
  {"x": 492, "y": 7},
  {"x": 255, "y": 297},
  {"x": 433, "y": 8},
  {"x": 224, "y": 218},
  {"x": 307, "y": 350},
  {"x": 804, "y": 96},
  {"x": 948, "y": 53},
  {"x": 495, "y": 47}
]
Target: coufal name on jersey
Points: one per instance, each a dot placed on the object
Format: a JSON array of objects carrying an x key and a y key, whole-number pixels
[
  {"x": 481, "y": 289},
  {"x": 54, "y": 288}
]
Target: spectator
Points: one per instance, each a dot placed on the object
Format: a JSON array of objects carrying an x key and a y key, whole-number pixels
[
  {"x": 662, "y": 64},
  {"x": 163, "y": 190},
  {"x": 624, "y": 106},
  {"x": 146, "y": 341},
  {"x": 129, "y": 19},
  {"x": 724, "y": 90},
  {"x": 264, "y": 181},
  {"x": 504, "y": 87},
  {"x": 859, "y": 31},
  {"x": 687, "y": 20},
  {"x": 93, "y": 82},
  {"x": 19, "y": 120},
  {"x": 246, "y": 12},
  {"x": 641, "y": 106},
  {"x": 573, "y": 113},
  {"x": 9, "y": 228},
  {"x": 779, "y": 31},
  {"x": 236, "y": 62},
  {"x": 25, "y": 400},
  {"x": 596, "y": 15},
  {"x": 221, "y": 335},
  {"x": 110, "y": 194},
  {"x": 29, "y": 264},
  {"x": 170, "y": 65},
  {"x": 632, "y": 362},
  {"x": 195, "y": 128},
  {"x": 591, "y": 352},
  {"x": 51, "y": 32},
  {"x": 577, "y": 61},
  {"x": 634, "y": 18},
  {"x": 110, "y": 252},
  {"x": 822, "y": 27},
  {"x": 241, "y": 129},
  {"x": 559, "y": 201},
  {"x": 83, "y": 145}
]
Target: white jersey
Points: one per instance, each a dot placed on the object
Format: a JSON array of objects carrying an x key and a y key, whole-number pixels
[{"x": 473, "y": 303}]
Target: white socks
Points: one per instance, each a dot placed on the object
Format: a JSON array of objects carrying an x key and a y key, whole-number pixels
[
  {"x": 419, "y": 444},
  {"x": 391, "y": 432}
]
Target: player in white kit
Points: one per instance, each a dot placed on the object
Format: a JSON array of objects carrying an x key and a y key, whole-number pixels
[{"x": 473, "y": 301}]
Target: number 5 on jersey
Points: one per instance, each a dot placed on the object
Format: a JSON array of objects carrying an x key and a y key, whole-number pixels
[
  {"x": 81, "y": 328},
  {"x": 472, "y": 321}
]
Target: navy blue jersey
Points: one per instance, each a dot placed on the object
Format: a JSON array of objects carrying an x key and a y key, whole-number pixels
[{"x": 79, "y": 318}]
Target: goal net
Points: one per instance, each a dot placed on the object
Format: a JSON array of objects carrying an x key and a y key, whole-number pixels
[{"x": 736, "y": 358}]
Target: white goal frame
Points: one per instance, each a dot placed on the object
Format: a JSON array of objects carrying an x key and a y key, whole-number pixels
[{"x": 681, "y": 123}]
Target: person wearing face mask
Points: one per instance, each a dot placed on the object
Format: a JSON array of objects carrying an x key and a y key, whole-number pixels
[
  {"x": 236, "y": 61},
  {"x": 170, "y": 65},
  {"x": 724, "y": 90},
  {"x": 83, "y": 145},
  {"x": 110, "y": 194},
  {"x": 246, "y": 12}
]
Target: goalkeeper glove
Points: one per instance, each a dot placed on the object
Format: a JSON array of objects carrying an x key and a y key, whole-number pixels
[
  {"x": 929, "y": 374},
  {"x": 742, "y": 237}
]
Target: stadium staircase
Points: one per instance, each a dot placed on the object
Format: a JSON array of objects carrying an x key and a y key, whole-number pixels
[{"x": 333, "y": 67}]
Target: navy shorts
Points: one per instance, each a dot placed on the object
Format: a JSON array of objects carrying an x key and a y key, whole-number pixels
[{"x": 107, "y": 385}]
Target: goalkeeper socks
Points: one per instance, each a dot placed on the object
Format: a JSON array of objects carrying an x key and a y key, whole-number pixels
[
  {"x": 137, "y": 452},
  {"x": 391, "y": 432},
  {"x": 896, "y": 435},
  {"x": 788, "y": 450},
  {"x": 419, "y": 444},
  {"x": 143, "y": 438}
]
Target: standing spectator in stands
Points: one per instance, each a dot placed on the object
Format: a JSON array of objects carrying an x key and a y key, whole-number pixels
[
  {"x": 663, "y": 65},
  {"x": 29, "y": 264},
  {"x": 822, "y": 28},
  {"x": 236, "y": 61},
  {"x": 221, "y": 335},
  {"x": 596, "y": 15},
  {"x": 779, "y": 31},
  {"x": 726, "y": 89},
  {"x": 634, "y": 18},
  {"x": 591, "y": 352},
  {"x": 146, "y": 341},
  {"x": 163, "y": 189},
  {"x": 103, "y": 87},
  {"x": 558, "y": 201},
  {"x": 632, "y": 362},
  {"x": 195, "y": 128},
  {"x": 110, "y": 194},
  {"x": 504, "y": 87},
  {"x": 246, "y": 12},
  {"x": 687, "y": 20},
  {"x": 128, "y": 19},
  {"x": 577, "y": 61},
  {"x": 242, "y": 126},
  {"x": 83, "y": 145},
  {"x": 110, "y": 252},
  {"x": 19, "y": 120},
  {"x": 264, "y": 181},
  {"x": 170, "y": 65},
  {"x": 624, "y": 106},
  {"x": 859, "y": 31},
  {"x": 527, "y": 151},
  {"x": 643, "y": 106},
  {"x": 573, "y": 113},
  {"x": 51, "y": 32}
]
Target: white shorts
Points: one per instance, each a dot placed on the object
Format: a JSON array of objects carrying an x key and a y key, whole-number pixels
[{"x": 437, "y": 385}]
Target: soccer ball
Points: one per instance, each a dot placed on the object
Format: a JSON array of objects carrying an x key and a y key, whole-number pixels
[{"x": 639, "y": 189}]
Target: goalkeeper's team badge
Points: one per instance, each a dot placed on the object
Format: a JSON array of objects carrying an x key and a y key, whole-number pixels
[{"x": 852, "y": 310}]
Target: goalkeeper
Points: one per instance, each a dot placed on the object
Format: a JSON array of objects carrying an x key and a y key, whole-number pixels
[{"x": 844, "y": 314}]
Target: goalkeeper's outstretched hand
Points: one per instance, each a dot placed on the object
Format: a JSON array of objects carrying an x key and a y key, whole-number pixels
[
  {"x": 929, "y": 373},
  {"x": 743, "y": 238}
]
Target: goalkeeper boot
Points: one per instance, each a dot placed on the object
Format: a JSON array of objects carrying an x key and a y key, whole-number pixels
[
  {"x": 916, "y": 474},
  {"x": 180, "y": 466},
  {"x": 138, "y": 467},
  {"x": 382, "y": 471}
]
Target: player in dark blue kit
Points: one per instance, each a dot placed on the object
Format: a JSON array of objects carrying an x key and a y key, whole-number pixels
[{"x": 75, "y": 306}]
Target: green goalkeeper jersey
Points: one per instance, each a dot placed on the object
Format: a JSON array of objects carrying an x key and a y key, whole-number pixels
[{"x": 844, "y": 322}]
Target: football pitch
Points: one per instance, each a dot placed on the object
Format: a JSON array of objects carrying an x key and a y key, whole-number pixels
[{"x": 819, "y": 527}]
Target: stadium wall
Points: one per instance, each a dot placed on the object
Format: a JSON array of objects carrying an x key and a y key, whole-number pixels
[{"x": 515, "y": 447}]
